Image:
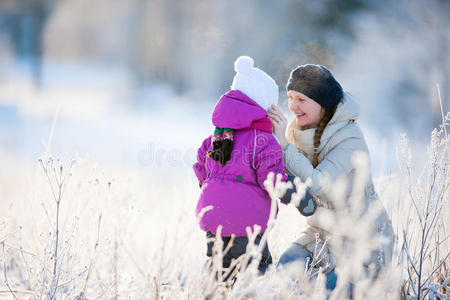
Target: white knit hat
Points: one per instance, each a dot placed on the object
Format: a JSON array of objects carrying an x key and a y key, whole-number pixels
[{"x": 254, "y": 82}]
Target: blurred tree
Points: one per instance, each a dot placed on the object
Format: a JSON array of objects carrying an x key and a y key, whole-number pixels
[
  {"x": 192, "y": 44},
  {"x": 23, "y": 21},
  {"x": 186, "y": 43}
]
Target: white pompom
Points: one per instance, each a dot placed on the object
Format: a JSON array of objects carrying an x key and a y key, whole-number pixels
[{"x": 243, "y": 64}]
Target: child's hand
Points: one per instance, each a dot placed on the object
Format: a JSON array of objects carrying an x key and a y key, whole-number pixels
[{"x": 279, "y": 123}]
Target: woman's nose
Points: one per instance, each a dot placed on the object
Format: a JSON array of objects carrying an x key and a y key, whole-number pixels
[{"x": 293, "y": 106}]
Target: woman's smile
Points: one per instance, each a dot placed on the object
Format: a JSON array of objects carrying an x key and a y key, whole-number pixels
[{"x": 300, "y": 117}]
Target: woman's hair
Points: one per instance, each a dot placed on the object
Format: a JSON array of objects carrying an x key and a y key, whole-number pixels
[{"x": 327, "y": 116}]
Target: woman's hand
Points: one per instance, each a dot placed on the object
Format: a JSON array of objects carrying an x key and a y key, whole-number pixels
[{"x": 279, "y": 122}]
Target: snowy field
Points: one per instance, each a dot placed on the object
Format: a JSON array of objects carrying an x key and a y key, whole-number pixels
[{"x": 133, "y": 235}]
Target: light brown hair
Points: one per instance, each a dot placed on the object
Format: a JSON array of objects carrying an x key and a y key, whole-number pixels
[{"x": 326, "y": 118}]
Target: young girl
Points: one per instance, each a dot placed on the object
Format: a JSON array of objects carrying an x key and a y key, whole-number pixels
[
  {"x": 234, "y": 162},
  {"x": 320, "y": 143}
]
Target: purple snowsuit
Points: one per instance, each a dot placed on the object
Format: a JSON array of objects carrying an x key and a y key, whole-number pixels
[{"x": 236, "y": 190}]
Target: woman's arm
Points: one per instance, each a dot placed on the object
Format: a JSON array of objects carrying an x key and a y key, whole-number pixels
[
  {"x": 307, "y": 205},
  {"x": 338, "y": 162}
]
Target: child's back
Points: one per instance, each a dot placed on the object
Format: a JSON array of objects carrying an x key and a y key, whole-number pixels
[
  {"x": 236, "y": 190},
  {"x": 233, "y": 164}
]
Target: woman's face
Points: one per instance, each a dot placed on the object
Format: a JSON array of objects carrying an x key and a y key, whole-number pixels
[{"x": 307, "y": 112}]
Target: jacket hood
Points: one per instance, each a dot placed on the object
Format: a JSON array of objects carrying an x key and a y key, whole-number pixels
[
  {"x": 346, "y": 111},
  {"x": 236, "y": 110}
]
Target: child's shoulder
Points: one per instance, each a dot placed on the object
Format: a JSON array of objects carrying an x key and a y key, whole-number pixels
[
  {"x": 266, "y": 140},
  {"x": 206, "y": 142},
  {"x": 207, "y": 139}
]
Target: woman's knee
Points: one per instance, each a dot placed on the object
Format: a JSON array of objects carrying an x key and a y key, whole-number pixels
[
  {"x": 331, "y": 279},
  {"x": 294, "y": 254}
]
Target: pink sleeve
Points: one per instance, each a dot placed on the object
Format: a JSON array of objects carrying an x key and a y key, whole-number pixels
[
  {"x": 268, "y": 159},
  {"x": 199, "y": 166}
]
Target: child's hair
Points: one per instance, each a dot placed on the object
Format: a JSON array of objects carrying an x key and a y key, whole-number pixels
[{"x": 221, "y": 151}]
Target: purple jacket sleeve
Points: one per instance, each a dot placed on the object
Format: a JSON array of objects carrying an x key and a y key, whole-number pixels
[
  {"x": 199, "y": 166},
  {"x": 269, "y": 158}
]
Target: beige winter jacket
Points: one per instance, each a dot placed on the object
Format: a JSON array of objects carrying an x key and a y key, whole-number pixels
[{"x": 341, "y": 140}]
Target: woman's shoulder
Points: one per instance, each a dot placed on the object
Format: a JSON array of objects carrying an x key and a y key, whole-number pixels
[
  {"x": 349, "y": 137},
  {"x": 351, "y": 130}
]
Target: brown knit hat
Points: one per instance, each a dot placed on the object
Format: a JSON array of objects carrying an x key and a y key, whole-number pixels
[{"x": 316, "y": 82}]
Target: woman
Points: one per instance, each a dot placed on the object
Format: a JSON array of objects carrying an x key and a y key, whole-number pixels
[{"x": 320, "y": 143}]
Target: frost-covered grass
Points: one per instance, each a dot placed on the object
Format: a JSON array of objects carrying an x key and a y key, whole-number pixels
[{"x": 73, "y": 230}]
